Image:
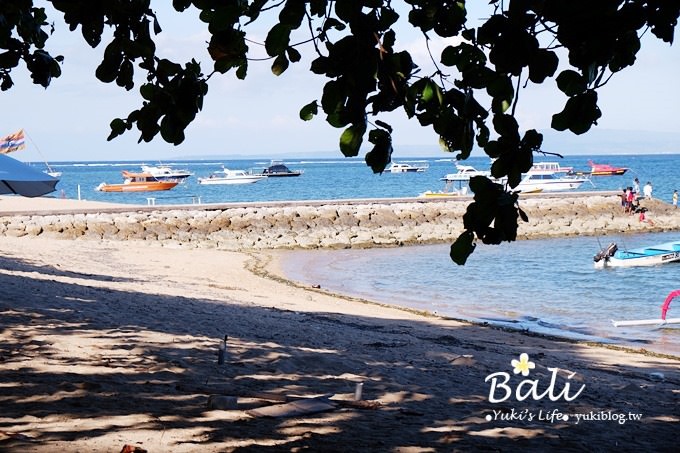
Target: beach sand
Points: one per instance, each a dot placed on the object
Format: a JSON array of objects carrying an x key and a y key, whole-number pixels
[
  {"x": 106, "y": 344},
  {"x": 21, "y": 205}
]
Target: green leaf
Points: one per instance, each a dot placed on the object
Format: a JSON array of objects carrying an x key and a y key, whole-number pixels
[
  {"x": 462, "y": 248},
  {"x": 280, "y": 65},
  {"x": 292, "y": 13},
  {"x": 384, "y": 125},
  {"x": 543, "y": 65},
  {"x": 381, "y": 153},
  {"x": 579, "y": 113},
  {"x": 571, "y": 83},
  {"x": 278, "y": 40},
  {"x": 118, "y": 127},
  {"x": 351, "y": 139},
  {"x": 308, "y": 111},
  {"x": 242, "y": 71},
  {"x": 293, "y": 55},
  {"x": 506, "y": 125}
]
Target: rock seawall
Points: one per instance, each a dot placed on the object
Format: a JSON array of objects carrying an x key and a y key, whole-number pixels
[{"x": 334, "y": 224}]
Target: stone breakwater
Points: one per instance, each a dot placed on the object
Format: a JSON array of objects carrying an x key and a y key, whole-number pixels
[{"x": 333, "y": 224}]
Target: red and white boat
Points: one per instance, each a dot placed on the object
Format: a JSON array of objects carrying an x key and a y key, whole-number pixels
[
  {"x": 605, "y": 169},
  {"x": 137, "y": 182}
]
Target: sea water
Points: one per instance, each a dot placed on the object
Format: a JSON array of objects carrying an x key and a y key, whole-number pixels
[
  {"x": 548, "y": 286},
  {"x": 336, "y": 178}
]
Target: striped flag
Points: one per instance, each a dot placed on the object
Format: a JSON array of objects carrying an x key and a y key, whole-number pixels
[{"x": 13, "y": 142}]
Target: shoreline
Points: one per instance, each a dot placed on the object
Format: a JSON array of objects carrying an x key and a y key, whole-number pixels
[{"x": 269, "y": 267}]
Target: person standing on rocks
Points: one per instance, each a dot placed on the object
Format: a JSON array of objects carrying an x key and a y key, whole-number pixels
[
  {"x": 630, "y": 198},
  {"x": 636, "y": 186},
  {"x": 647, "y": 190},
  {"x": 675, "y": 199}
]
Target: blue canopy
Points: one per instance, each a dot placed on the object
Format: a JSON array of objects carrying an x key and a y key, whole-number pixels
[{"x": 21, "y": 179}]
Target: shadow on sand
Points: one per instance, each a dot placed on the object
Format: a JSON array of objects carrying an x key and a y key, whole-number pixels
[{"x": 146, "y": 366}]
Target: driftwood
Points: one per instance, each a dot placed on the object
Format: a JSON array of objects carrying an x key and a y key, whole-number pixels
[{"x": 292, "y": 409}]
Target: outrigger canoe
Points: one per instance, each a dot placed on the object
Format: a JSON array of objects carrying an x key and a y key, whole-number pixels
[
  {"x": 654, "y": 322},
  {"x": 611, "y": 256}
]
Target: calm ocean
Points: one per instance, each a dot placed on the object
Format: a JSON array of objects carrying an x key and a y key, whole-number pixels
[
  {"x": 548, "y": 286},
  {"x": 326, "y": 179},
  {"x": 541, "y": 285}
]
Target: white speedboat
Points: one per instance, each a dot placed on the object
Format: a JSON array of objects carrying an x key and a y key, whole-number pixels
[
  {"x": 464, "y": 173},
  {"x": 548, "y": 181},
  {"x": 226, "y": 176},
  {"x": 166, "y": 173},
  {"x": 406, "y": 168},
  {"x": 554, "y": 167}
]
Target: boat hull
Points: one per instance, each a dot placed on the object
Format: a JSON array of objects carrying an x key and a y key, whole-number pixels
[
  {"x": 408, "y": 170},
  {"x": 281, "y": 174},
  {"x": 230, "y": 181},
  {"x": 639, "y": 261},
  {"x": 138, "y": 187},
  {"x": 609, "y": 172},
  {"x": 550, "y": 186}
]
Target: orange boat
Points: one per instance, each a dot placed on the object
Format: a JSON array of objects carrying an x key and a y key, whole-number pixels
[
  {"x": 138, "y": 182},
  {"x": 605, "y": 169}
]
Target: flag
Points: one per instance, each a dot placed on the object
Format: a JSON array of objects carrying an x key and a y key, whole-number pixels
[{"x": 13, "y": 142}]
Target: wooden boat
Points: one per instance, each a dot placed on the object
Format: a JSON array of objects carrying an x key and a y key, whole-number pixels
[
  {"x": 605, "y": 169},
  {"x": 226, "y": 176},
  {"x": 137, "y": 182},
  {"x": 611, "y": 256}
]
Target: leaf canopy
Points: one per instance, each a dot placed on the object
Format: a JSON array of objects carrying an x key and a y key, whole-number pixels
[{"x": 474, "y": 89}]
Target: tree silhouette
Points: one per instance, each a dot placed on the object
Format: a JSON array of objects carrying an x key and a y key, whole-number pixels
[{"x": 470, "y": 98}]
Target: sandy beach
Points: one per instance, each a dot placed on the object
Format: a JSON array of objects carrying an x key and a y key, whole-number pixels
[{"x": 105, "y": 344}]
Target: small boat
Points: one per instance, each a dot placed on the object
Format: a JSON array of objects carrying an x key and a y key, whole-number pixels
[
  {"x": 464, "y": 173},
  {"x": 548, "y": 181},
  {"x": 278, "y": 169},
  {"x": 611, "y": 256},
  {"x": 406, "y": 168},
  {"x": 166, "y": 173},
  {"x": 449, "y": 191},
  {"x": 605, "y": 169},
  {"x": 554, "y": 167},
  {"x": 137, "y": 182},
  {"x": 226, "y": 176}
]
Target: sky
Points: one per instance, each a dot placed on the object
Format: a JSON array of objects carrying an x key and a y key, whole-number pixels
[{"x": 258, "y": 117}]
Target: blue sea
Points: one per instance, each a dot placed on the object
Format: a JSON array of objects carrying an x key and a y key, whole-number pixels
[
  {"x": 339, "y": 178},
  {"x": 547, "y": 286}
]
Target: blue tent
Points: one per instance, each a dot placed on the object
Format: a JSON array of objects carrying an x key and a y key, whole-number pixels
[{"x": 21, "y": 179}]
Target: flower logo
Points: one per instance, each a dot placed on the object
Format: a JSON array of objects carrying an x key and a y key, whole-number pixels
[{"x": 523, "y": 365}]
